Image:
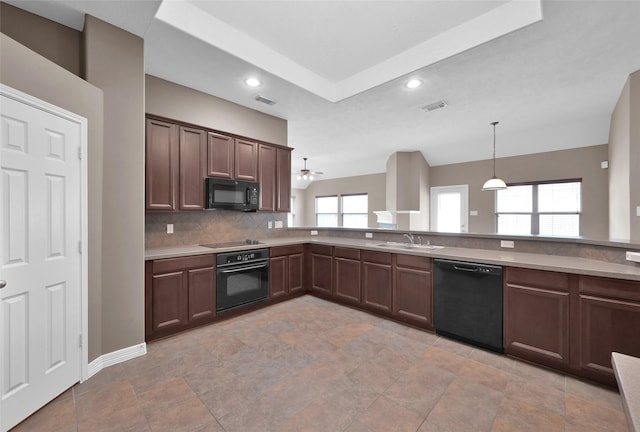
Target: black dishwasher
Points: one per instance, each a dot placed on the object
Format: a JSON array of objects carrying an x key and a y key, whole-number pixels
[{"x": 468, "y": 302}]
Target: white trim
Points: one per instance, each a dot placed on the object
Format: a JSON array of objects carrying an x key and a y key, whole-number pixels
[
  {"x": 116, "y": 357},
  {"x": 84, "y": 208}
]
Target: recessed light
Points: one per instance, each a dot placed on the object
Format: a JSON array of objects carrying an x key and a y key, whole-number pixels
[
  {"x": 252, "y": 82},
  {"x": 413, "y": 83}
]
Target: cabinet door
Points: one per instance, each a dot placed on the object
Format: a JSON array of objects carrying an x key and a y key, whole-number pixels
[
  {"x": 609, "y": 317},
  {"x": 202, "y": 294},
  {"x": 536, "y": 320},
  {"x": 347, "y": 279},
  {"x": 321, "y": 273},
  {"x": 377, "y": 286},
  {"x": 220, "y": 156},
  {"x": 168, "y": 304},
  {"x": 278, "y": 276},
  {"x": 413, "y": 296},
  {"x": 246, "y": 160},
  {"x": 267, "y": 177},
  {"x": 296, "y": 263},
  {"x": 191, "y": 172},
  {"x": 161, "y": 165},
  {"x": 283, "y": 194}
]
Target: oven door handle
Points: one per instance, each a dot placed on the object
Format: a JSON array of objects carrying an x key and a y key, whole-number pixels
[{"x": 236, "y": 270}]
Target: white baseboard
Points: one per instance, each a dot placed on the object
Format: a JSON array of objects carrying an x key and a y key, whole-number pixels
[{"x": 116, "y": 357}]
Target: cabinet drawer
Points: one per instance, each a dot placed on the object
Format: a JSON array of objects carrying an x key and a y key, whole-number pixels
[
  {"x": 537, "y": 278},
  {"x": 179, "y": 264},
  {"x": 348, "y": 253},
  {"x": 623, "y": 289},
  {"x": 376, "y": 257},
  {"x": 321, "y": 249},
  {"x": 285, "y": 250},
  {"x": 413, "y": 261}
]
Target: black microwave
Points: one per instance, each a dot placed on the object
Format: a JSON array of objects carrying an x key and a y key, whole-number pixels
[{"x": 223, "y": 194}]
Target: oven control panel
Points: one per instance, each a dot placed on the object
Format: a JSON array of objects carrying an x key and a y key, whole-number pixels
[{"x": 242, "y": 257}]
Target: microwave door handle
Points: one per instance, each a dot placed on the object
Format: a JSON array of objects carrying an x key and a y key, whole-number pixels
[
  {"x": 243, "y": 269},
  {"x": 247, "y": 196}
]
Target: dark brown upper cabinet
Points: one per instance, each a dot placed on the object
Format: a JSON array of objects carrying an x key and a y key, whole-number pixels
[
  {"x": 267, "y": 177},
  {"x": 283, "y": 167},
  {"x": 246, "y": 160},
  {"x": 192, "y": 154},
  {"x": 220, "y": 156},
  {"x": 161, "y": 165}
]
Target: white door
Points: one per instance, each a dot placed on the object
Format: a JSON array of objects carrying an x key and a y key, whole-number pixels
[
  {"x": 40, "y": 260},
  {"x": 449, "y": 208}
]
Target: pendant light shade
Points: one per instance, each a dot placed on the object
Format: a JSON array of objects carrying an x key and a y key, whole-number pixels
[{"x": 494, "y": 183}]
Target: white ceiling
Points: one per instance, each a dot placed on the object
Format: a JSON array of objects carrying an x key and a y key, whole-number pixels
[{"x": 337, "y": 70}]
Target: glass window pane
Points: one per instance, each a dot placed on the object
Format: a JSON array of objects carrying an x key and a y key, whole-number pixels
[
  {"x": 515, "y": 199},
  {"x": 559, "y": 197},
  {"x": 327, "y": 220},
  {"x": 327, "y": 204},
  {"x": 355, "y": 203},
  {"x": 560, "y": 225},
  {"x": 514, "y": 224},
  {"x": 449, "y": 213},
  {"x": 354, "y": 220}
]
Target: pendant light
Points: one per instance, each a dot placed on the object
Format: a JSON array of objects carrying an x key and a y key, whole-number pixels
[{"x": 494, "y": 183}]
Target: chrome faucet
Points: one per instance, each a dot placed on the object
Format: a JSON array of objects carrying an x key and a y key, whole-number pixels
[{"x": 410, "y": 237}]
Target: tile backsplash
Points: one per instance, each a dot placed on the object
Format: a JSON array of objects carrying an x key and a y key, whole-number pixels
[{"x": 211, "y": 226}]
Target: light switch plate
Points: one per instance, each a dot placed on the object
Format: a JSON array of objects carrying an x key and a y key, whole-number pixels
[
  {"x": 314, "y": 232},
  {"x": 368, "y": 235},
  {"x": 278, "y": 224},
  {"x": 638, "y": 211},
  {"x": 473, "y": 213},
  {"x": 633, "y": 256},
  {"x": 507, "y": 244},
  {"x": 169, "y": 228},
  {"x": 270, "y": 224}
]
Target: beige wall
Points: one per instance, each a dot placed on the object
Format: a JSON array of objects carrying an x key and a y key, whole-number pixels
[
  {"x": 634, "y": 156},
  {"x": 300, "y": 206},
  {"x": 619, "y": 179},
  {"x": 114, "y": 61},
  {"x": 372, "y": 184},
  {"x": 575, "y": 163},
  {"x": 33, "y": 74},
  {"x": 177, "y": 102},
  {"x": 56, "y": 42}
]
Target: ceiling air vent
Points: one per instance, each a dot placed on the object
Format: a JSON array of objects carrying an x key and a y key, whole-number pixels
[
  {"x": 435, "y": 106},
  {"x": 265, "y": 100}
]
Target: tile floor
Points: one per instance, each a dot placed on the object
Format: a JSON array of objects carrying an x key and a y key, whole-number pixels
[{"x": 311, "y": 365}]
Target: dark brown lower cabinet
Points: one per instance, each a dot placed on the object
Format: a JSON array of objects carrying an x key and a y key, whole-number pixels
[
  {"x": 609, "y": 320},
  {"x": 377, "y": 281},
  {"x": 286, "y": 270},
  {"x": 412, "y": 300},
  {"x": 346, "y": 265},
  {"x": 536, "y": 316},
  {"x": 180, "y": 293},
  {"x": 322, "y": 269}
]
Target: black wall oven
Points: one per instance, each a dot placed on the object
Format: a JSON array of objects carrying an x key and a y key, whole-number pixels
[{"x": 242, "y": 278}]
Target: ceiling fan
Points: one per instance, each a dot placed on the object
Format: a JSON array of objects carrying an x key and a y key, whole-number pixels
[{"x": 307, "y": 174}]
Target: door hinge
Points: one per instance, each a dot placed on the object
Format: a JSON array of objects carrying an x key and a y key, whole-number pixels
[
  {"x": 80, "y": 153},
  {"x": 80, "y": 340},
  {"x": 80, "y": 247}
]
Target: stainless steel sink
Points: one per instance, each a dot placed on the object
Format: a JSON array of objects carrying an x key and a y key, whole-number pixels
[{"x": 400, "y": 245}]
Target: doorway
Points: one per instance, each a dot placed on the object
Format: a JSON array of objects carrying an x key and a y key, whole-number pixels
[{"x": 449, "y": 208}]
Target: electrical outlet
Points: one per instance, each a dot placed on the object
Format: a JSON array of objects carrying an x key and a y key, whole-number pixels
[
  {"x": 507, "y": 244},
  {"x": 279, "y": 224},
  {"x": 633, "y": 256},
  {"x": 270, "y": 224},
  {"x": 368, "y": 235},
  {"x": 314, "y": 232},
  {"x": 169, "y": 228}
]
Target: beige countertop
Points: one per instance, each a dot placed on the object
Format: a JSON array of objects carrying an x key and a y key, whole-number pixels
[
  {"x": 497, "y": 257},
  {"x": 627, "y": 369}
]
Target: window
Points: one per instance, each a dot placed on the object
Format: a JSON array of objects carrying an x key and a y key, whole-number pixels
[
  {"x": 291, "y": 216},
  {"x": 540, "y": 208},
  {"x": 449, "y": 208},
  {"x": 327, "y": 211},
  {"x": 355, "y": 211}
]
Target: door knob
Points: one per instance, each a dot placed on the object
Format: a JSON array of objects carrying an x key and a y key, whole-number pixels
[{"x": 2, "y": 284}]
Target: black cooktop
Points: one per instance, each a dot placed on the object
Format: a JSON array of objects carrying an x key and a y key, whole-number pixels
[{"x": 232, "y": 244}]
